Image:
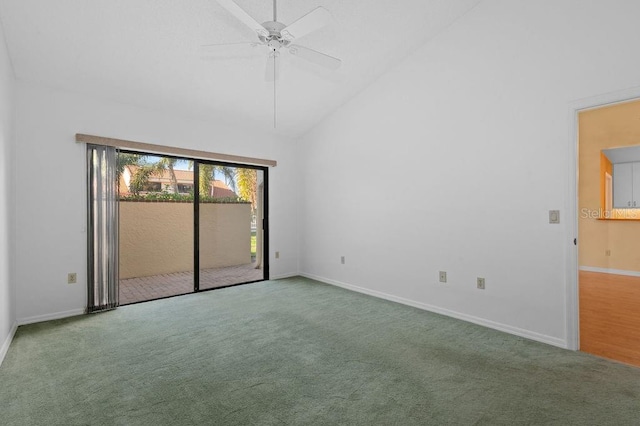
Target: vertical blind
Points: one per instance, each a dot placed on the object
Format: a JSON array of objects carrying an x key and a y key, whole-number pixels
[{"x": 102, "y": 228}]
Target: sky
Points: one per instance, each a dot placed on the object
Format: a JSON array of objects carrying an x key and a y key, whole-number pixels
[{"x": 182, "y": 165}]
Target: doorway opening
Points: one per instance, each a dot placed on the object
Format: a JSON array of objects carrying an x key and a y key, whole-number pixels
[
  {"x": 609, "y": 231},
  {"x": 187, "y": 225}
]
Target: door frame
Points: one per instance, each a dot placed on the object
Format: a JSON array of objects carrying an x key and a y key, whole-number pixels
[{"x": 572, "y": 326}]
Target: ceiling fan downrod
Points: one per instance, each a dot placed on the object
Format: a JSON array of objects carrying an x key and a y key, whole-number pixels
[{"x": 274, "y": 52}]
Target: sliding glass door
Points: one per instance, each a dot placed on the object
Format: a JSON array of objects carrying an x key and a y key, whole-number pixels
[
  {"x": 187, "y": 225},
  {"x": 230, "y": 230}
]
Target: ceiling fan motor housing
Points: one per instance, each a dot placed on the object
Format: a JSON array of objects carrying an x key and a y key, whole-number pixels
[{"x": 274, "y": 40}]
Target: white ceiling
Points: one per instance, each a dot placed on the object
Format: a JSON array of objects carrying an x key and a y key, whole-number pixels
[
  {"x": 627, "y": 154},
  {"x": 145, "y": 52}
]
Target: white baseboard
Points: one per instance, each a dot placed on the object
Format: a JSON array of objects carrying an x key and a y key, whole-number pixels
[
  {"x": 283, "y": 276},
  {"x": 609, "y": 271},
  {"x": 554, "y": 341},
  {"x": 49, "y": 317},
  {"x": 7, "y": 342}
]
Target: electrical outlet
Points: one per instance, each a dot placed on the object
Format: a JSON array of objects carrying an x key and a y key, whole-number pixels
[
  {"x": 342, "y": 260},
  {"x": 443, "y": 277},
  {"x": 277, "y": 255},
  {"x": 72, "y": 278},
  {"x": 554, "y": 216},
  {"x": 480, "y": 283}
]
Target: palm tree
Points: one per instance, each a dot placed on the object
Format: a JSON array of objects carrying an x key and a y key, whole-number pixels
[
  {"x": 206, "y": 174},
  {"x": 145, "y": 170},
  {"x": 123, "y": 160},
  {"x": 137, "y": 181},
  {"x": 141, "y": 177},
  {"x": 248, "y": 185},
  {"x": 230, "y": 175},
  {"x": 167, "y": 163}
]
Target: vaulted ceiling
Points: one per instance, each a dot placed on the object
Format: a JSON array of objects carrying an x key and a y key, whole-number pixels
[{"x": 146, "y": 53}]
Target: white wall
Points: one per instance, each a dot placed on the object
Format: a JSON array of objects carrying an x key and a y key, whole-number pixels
[
  {"x": 7, "y": 137},
  {"x": 284, "y": 210},
  {"x": 452, "y": 160},
  {"x": 50, "y": 187}
]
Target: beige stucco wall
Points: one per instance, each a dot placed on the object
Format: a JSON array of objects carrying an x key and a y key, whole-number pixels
[
  {"x": 157, "y": 238},
  {"x": 610, "y": 127}
]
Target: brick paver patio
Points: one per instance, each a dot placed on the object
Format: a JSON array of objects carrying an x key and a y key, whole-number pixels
[{"x": 154, "y": 287}]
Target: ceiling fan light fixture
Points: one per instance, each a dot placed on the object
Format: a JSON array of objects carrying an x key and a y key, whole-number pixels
[{"x": 275, "y": 44}]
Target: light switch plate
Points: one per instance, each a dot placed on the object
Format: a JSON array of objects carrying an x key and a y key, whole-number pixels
[{"x": 554, "y": 216}]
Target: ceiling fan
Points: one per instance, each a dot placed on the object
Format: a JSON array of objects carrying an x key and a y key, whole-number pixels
[{"x": 275, "y": 36}]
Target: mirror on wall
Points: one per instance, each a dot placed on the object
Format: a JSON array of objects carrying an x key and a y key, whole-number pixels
[{"x": 620, "y": 178}]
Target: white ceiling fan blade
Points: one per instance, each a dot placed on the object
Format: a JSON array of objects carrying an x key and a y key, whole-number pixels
[
  {"x": 214, "y": 51},
  {"x": 272, "y": 71},
  {"x": 315, "y": 57},
  {"x": 312, "y": 21},
  {"x": 243, "y": 16}
]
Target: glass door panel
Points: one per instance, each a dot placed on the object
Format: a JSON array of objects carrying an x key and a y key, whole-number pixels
[
  {"x": 230, "y": 240},
  {"x": 156, "y": 227}
]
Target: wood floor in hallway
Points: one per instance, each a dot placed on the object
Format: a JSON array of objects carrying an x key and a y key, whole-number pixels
[{"x": 610, "y": 316}]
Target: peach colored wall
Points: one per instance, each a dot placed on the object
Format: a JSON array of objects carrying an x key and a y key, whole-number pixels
[
  {"x": 157, "y": 238},
  {"x": 225, "y": 235},
  {"x": 609, "y": 127}
]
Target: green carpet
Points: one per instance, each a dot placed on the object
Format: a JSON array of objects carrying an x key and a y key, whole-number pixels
[{"x": 297, "y": 352}]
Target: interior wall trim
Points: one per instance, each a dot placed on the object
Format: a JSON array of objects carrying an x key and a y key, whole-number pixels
[
  {"x": 172, "y": 150},
  {"x": 528, "y": 334},
  {"x": 284, "y": 276},
  {"x": 610, "y": 271},
  {"x": 49, "y": 317},
  {"x": 7, "y": 342}
]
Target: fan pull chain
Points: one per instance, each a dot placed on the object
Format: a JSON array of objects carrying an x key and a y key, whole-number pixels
[{"x": 274, "y": 90}]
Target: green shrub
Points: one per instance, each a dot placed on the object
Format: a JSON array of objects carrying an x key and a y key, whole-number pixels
[{"x": 179, "y": 198}]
